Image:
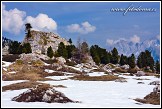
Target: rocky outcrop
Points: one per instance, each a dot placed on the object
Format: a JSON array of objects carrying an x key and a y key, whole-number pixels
[
  {"x": 140, "y": 73},
  {"x": 42, "y": 94},
  {"x": 154, "y": 83},
  {"x": 40, "y": 41}
]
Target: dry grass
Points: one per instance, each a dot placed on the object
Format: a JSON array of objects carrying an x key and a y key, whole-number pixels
[
  {"x": 120, "y": 70},
  {"x": 95, "y": 78},
  {"x": 10, "y": 58},
  {"x": 152, "y": 98},
  {"x": 30, "y": 84}
]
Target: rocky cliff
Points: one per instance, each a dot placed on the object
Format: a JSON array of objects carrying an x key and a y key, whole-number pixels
[{"x": 40, "y": 41}]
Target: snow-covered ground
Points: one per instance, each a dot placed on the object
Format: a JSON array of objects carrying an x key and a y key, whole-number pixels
[
  {"x": 49, "y": 71},
  {"x": 97, "y": 74},
  {"x": 4, "y": 83},
  {"x": 6, "y": 64},
  {"x": 92, "y": 93}
]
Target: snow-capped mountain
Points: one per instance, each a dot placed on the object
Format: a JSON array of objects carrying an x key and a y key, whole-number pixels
[{"x": 127, "y": 47}]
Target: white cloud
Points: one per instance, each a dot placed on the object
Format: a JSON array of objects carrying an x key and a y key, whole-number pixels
[
  {"x": 12, "y": 20},
  {"x": 42, "y": 23},
  {"x": 135, "y": 39},
  {"x": 84, "y": 28},
  {"x": 110, "y": 41}
]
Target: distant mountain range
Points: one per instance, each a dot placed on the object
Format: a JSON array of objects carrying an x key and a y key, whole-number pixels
[{"x": 127, "y": 47}]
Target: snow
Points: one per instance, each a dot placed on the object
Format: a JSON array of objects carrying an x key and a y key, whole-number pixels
[
  {"x": 49, "y": 71},
  {"x": 4, "y": 69},
  {"x": 93, "y": 93},
  {"x": 12, "y": 72},
  {"x": 58, "y": 77},
  {"x": 46, "y": 64},
  {"x": 97, "y": 74},
  {"x": 4, "y": 83},
  {"x": 6, "y": 64}
]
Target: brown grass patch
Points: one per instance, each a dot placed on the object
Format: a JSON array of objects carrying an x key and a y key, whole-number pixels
[
  {"x": 10, "y": 58},
  {"x": 95, "y": 78},
  {"x": 152, "y": 98},
  {"x": 30, "y": 84},
  {"x": 120, "y": 70}
]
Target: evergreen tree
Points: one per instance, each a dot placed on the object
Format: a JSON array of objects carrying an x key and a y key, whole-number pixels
[
  {"x": 115, "y": 56},
  {"x": 157, "y": 66},
  {"x": 131, "y": 61},
  {"x": 123, "y": 60},
  {"x": 62, "y": 50},
  {"x": 145, "y": 59},
  {"x": 70, "y": 41},
  {"x": 27, "y": 29},
  {"x": 27, "y": 46},
  {"x": 70, "y": 49},
  {"x": 50, "y": 52},
  {"x": 14, "y": 47}
]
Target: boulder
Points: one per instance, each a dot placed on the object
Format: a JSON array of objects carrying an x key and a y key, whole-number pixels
[
  {"x": 61, "y": 60},
  {"x": 42, "y": 94},
  {"x": 154, "y": 83},
  {"x": 140, "y": 73},
  {"x": 120, "y": 80},
  {"x": 140, "y": 83},
  {"x": 157, "y": 89},
  {"x": 126, "y": 67}
]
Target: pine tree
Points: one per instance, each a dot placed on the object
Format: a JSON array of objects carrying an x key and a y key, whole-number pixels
[
  {"x": 50, "y": 52},
  {"x": 27, "y": 46},
  {"x": 157, "y": 66},
  {"x": 131, "y": 61},
  {"x": 14, "y": 47},
  {"x": 70, "y": 49},
  {"x": 115, "y": 56},
  {"x": 123, "y": 60},
  {"x": 70, "y": 41},
  {"x": 62, "y": 50},
  {"x": 27, "y": 29}
]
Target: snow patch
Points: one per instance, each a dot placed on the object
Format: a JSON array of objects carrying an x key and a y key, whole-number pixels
[
  {"x": 97, "y": 74},
  {"x": 49, "y": 71}
]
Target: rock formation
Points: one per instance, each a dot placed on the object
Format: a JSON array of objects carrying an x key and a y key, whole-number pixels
[{"x": 40, "y": 41}]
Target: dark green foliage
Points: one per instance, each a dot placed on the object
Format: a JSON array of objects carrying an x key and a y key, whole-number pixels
[
  {"x": 50, "y": 52},
  {"x": 62, "y": 50},
  {"x": 14, "y": 47},
  {"x": 123, "y": 60},
  {"x": 145, "y": 59},
  {"x": 131, "y": 61},
  {"x": 70, "y": 41},
  {"x": 70, "y": 49},
  {"x": 27, "y": 29},
  {"x": 6, "y": 41},
  {"x": 26, "y": 48},
  {"x": 99, "y": 55},
  {"x": 157, "y": 66},
  {"x": 114, "y": 58}
]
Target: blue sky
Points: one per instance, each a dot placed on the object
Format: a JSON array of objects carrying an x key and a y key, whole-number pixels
[{"x": 91, "y": 21}]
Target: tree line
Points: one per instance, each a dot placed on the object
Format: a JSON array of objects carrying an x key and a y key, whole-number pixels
[{"x": 101, "y": 56}]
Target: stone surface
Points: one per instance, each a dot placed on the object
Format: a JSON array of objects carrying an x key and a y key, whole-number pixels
[
  {"x": 40, "y": 41},
  {"x": 42, "y": 94},
  {"x": 140, "y": 73}
]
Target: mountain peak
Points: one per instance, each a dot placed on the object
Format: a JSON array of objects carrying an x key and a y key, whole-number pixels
[{"x": 128, "y": 47}]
